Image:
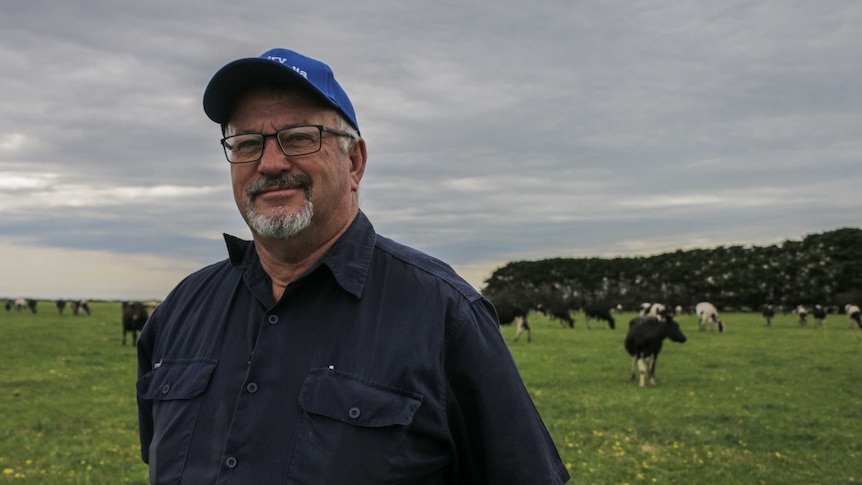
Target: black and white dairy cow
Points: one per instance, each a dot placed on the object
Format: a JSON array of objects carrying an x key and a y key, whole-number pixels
[
  {"x": 599, "y": 312},
  {"x": 79, "y": 307},
  {"x": 853, "y": 315},
  {"x": 801, "y": 315},
  {"x": 644, "y": 308},
  {"x": 28, "y": 303},
  {"x": 644, "y": 342},
  {"x": 707, "y": 313},
  {"x": 658, "y": 310},
  {"x": 819, "y": 315},
  {"x": 509, "y": 313},
  {"x": 768, "y": 313},
  {"x": 559, "y": 310}
]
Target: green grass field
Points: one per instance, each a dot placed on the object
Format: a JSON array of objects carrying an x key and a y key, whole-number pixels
[
  {"x": 753, "y": 405},
  {"x": 773, "y": 405}
]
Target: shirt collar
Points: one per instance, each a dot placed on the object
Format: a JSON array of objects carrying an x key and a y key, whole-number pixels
[{"x": 348, "y": 260}]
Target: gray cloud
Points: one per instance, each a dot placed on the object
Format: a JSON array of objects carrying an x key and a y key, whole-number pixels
[{"x": 514, "y": 132}]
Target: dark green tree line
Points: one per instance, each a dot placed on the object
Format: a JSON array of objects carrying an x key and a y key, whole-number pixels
[{"x": 823, "y": 268}]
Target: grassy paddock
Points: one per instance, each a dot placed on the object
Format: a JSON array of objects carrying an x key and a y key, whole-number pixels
[
  {"x": 754, "y": 405},
  {"x": 67, "y": 398}
]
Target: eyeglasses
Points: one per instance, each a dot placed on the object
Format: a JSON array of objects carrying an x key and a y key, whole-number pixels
[{"x": 294, "y": 141}]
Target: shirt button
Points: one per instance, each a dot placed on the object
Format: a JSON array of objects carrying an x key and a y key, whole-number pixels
[
  {"x": 353, "y": 412},
  {"x": 251, "y": 387},
  {"x": 230, "y": 462},
  {"x": 273, "y": 319},
  {"x": 166, "y": 388}
]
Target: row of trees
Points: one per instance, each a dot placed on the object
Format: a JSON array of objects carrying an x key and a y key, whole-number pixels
[{"x": 823, "y": 268}]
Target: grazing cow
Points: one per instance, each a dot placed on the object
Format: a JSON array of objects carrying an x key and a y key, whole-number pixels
[
  {"x": 508, "y": 313},
  {"x": 644, "y": 308},
  {"x": 522, "y": 324},
  {"x": 644, "y": 342},
  {"x": 801, "y": 315},
  {"x": 768, "y": 312},
  {"x": 819, "y": 315},
  {"x": 134, "y": 317},
  {"x": 9, "y": 305},
  {"x": 61, "y": 305},
  {"x": 29, "y": 303},
  {"x": 853, "y": 315},
  {"x": 558, "y": 310},
  {"x": 707, "y": 313},
  {"x": 79, "y": 306},
  {"x": 599, "y": 312},
  {"x": 658, "y": 310}
]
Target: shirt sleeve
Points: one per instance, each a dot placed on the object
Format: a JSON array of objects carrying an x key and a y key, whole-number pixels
[
  {"x": 146, "y": 343},
  {"x": 499, "y": 436}
]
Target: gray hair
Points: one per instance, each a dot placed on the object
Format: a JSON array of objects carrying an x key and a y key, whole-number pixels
[{"x": 344, "y": 142}]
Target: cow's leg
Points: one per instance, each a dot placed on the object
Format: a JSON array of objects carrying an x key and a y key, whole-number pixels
[
  {"x": 634, "y": 363},
  {"x": 519, "y": 325},
  {"x": 527, "y": 328},
  {"x": 642, "y": 367}
]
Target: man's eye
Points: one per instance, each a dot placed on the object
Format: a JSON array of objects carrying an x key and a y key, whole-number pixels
[
  {"x": 245, "y": 145},
  {"x": 298, "y": 139}
]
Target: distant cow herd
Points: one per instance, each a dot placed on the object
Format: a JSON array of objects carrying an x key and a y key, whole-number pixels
[
  {"x": 655, "y": 323},
  {"x": 133, "y": 314}
]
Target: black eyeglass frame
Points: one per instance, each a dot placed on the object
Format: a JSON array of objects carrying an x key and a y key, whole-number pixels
[{"x": 320, "y": 129}]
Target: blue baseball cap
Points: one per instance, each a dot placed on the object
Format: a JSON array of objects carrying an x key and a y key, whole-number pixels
[{"x": 274, "y": 67}]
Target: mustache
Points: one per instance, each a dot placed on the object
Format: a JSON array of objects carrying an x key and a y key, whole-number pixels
[{"x": 284, "y": 181}]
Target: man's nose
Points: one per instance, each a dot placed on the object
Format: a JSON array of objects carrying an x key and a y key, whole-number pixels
[{"x": 273, "y": 159}]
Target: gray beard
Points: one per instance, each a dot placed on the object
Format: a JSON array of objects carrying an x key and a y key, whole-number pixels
[{"x": 280, "y": 226}]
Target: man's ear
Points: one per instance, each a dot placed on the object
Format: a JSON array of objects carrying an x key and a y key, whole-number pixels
[{"x": 358, "y": 156}]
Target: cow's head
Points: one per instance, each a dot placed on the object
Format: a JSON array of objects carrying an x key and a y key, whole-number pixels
[{"x": 673, "y": 331}]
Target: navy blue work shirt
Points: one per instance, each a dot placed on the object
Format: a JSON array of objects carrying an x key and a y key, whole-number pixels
[{"x": 379, "y": 365}]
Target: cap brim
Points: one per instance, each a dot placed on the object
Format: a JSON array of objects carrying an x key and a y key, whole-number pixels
[{"x": 236, "y": 78}]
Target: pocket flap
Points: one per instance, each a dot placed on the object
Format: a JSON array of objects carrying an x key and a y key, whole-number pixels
[
  {"x": 354, "y": 400},
  {"x": 176, "y": 379}
]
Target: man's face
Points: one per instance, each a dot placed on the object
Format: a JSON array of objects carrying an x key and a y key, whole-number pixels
[{"x": 281, "y": 196}]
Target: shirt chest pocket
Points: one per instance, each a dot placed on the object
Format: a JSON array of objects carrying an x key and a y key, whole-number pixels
[
  {"x": 175, "y": 388},
  {"x": 351, "y": 429},
  {"x": 176, "y": 379},
  {"x": 353, "y": 400}
]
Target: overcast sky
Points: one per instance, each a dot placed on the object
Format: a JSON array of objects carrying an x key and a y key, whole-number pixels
[{"x": 509, "y": 131}]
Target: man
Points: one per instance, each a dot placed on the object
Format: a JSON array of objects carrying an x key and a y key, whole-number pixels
[{"x": 322, "y": 352}]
